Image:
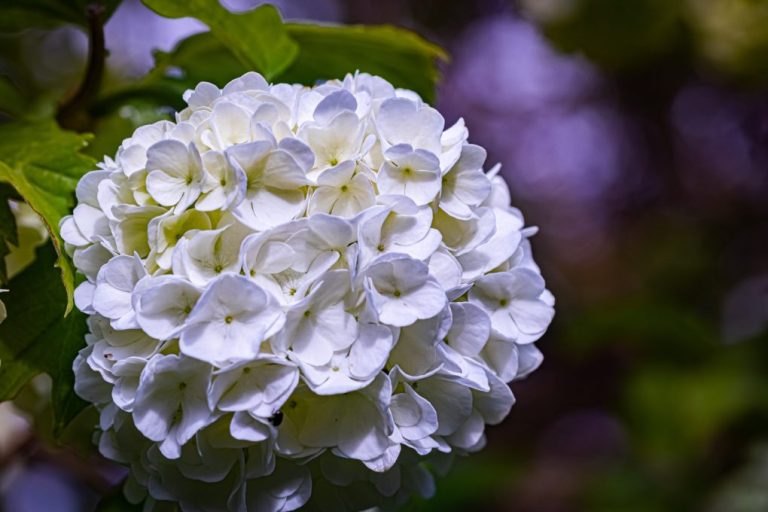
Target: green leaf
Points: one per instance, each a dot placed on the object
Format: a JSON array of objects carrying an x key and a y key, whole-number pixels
[
  {"x": 18, "y": 15},
  {"x": 37, "y": 337},
  {"x": 398, "y": 55},
  {"x": 8, "y": 230},
  {"x": 258, "y": 37},
  {"x": 42, "y": 162},
  {"x": 12, "y": 99},
  {"x": 326, "y": 52},
  {"x": 200, "y": 57}
]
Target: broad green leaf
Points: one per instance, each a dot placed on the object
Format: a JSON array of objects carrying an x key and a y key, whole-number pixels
[
  {"x": 258, "y": 37},
  {"x": 37, "y": 337},
  {"x": 8, "y": 230},
  {"x": 326, "y": 52},
  {"x": 400, "y": 56},
  {"x": 18, "y": 15},
  {"x": 43, "y": 163}
]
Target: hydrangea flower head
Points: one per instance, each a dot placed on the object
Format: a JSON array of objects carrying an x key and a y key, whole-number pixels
[{"x": 291, "y": 287}]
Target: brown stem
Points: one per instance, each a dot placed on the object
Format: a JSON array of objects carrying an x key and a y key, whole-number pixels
[{"x": 73, "y": 114}]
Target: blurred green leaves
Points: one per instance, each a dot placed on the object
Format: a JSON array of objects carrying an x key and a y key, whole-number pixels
[
  {"x": 324, "y": 52},
  {"x": 8, "y": 229},
  {"x": 400, "y": 56},
  {"x": 43, "y": 163},
  {"x": 727, "y": 36},
  {"x": 732, "y": 35},
  {"x": 257, "y": 38},
  {"x": 18, "y": 15},
  {"x": 37, "y": 337},
  {"x": 621, "y": 34}
]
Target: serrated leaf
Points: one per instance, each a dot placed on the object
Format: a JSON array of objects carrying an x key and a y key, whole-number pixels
[
  {"x": 257, "y": 37},
  {"x": 18, "y": 15},
  {"x": 37, "y": 337},
  {"x": 398, "y": 55},
  {"x": 43, "y": 163}
]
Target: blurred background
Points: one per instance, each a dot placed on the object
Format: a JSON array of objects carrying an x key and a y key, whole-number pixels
[{"x": 634, "y": 133}]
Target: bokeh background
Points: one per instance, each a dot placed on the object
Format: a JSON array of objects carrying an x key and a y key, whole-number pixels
[{"x": 634, "y": 133}]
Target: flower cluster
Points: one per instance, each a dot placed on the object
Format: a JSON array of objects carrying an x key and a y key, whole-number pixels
[{"x": 292, "y": 285}]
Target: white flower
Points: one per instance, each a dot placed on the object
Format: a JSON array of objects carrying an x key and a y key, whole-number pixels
[
  {"x": 401, "y": 290},
  {"x": 416, "y": 355},
  {"x": 175, "y": 174},
  {"x": 416, "y": 419},
  {"x": 398, "y": 227},
  {"x": 165, "y": 231},
  {"x": 294, "y": 288},
  {"x": 288, "y": 488},
  {"x": 114, "y": 286},
  {"x": 225, "y": 184},
  {"x": 317, "y": 325},
  {"x": 261, "y": 386},
  {"x": 404, "y": 121},
  {"x": 162, "y": 304},
  {"x": 352, "y": 369},
  {"x": 337, "y": 136},
  {"x": 228, "y": 125},
  {"x": 208, "y": 254},
  {"x": 344, "y": 190},
  {"x": 361, "y": 420},
  {"x": 411, "y": 173},
  {"x": 465, "y": 186},
  {"x": 171, "y": 403},
  {"x": 230, "y": 320},
  {"x": 515, "y": 304},
  {"x": 275, "y": 181}
]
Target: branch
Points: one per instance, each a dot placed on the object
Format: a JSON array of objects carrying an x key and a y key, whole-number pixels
[{"x": 72, "y": 114}]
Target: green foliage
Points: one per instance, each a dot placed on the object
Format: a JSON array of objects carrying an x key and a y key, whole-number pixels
[
  {"x": 258, "y": 37},
  {"x": 8, "y": 232},
  {"x": 43, "y": 163},
  {"x": 12, "y": 100},
  {"x": 198, "y": 58},
  {"x": 37, "y": 337},
  {"x": 325, "y": 52},
  {"x": 620, "y": 35},
  {"x": 676, "y": 411},
  {"x": 400, "y": 56},
  {"x": 18, "y": 15}
]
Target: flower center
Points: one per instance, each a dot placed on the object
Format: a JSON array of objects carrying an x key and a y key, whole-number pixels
[{"x": 229, "y": 319}]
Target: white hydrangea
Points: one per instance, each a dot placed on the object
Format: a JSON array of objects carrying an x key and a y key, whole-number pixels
[{"x": 292, "y": 287}]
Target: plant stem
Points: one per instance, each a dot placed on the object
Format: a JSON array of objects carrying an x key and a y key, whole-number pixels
[{"x": 73, "y": 114}]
